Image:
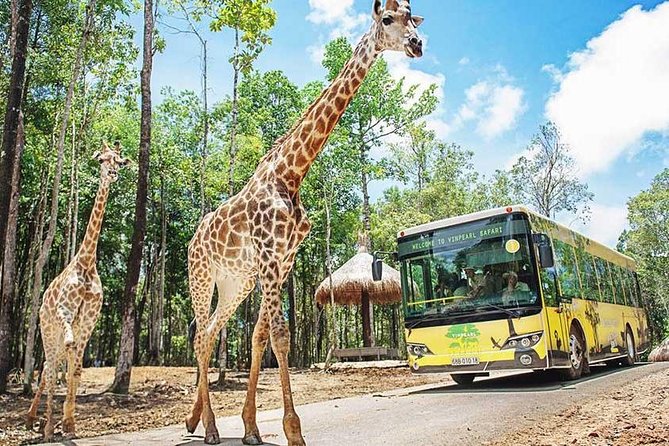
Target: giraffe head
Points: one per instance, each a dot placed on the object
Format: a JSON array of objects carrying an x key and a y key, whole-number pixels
[
  {"x": 396, "y": 27},
  {"x": 111, "y": 161}
]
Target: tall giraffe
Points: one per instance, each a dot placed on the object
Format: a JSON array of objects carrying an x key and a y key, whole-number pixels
[
  {"x": 71, "y": 306},
  {"x": 256, "y": 233}
]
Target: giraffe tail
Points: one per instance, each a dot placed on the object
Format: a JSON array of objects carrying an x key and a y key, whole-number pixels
[{"x": 192, "y": 329}]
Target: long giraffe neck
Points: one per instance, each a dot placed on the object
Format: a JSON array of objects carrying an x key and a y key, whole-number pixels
[
  {"x": 89, "y": 245},
  {"x": 300, "y": 147}
]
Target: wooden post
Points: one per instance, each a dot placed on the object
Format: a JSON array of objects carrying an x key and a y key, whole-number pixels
[{"x": 367, "y": 321}]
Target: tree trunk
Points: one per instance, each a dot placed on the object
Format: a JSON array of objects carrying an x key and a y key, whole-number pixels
[
  {"x": 11, "y": 124},
  {"x": 332, "y": 323},
  {"x": 155, "y": 336},
  {"x": 69, "y": 242},
  {"x": 53, "y": 216},
  {"x": 205, "y": 135},
  {"x": 8, "y": 285},
  {"x": 121, "y": 382},
  {"x": 9, "y": 167}
]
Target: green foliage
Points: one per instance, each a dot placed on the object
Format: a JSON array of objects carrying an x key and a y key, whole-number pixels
[
  {"x": 253, "y": 18},
  {"x": 648, "y": 242},
  {"x": 545, "y": 178}
]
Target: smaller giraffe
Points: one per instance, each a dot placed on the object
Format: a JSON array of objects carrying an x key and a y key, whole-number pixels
[{"x": 71, "y": 306}]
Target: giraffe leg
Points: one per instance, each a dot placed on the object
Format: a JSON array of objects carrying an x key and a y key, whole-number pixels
[
  {"x": 84, "y": 325},
  {"x": 50, "y": 378},
  {"x": 201, "y": 286},
  {"x": 280, "y": 339},
  {"x": 68, "y": 406},
  {"x": 31, "y": 416},
  {"x": 260, "y": 336}
]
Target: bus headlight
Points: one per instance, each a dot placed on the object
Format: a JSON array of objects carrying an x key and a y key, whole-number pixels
[
  {"x": 419, "y": 350},
  {"x": 523, "y": 341}
]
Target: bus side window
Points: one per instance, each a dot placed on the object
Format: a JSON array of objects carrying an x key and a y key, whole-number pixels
[
  {"x": 604, "y": 281},
  {"x": 548, "y": 276},
  {"x": 588, "y": 275},
  {"x": 631, "y": 286},
  {"x": 566, "y": 269},
  {"x": 622, "y": 295}
]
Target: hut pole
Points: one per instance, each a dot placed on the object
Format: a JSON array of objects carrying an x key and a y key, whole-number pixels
[
  {"x": 366, "y": 310},
  {"x": 367, "y": 321}
]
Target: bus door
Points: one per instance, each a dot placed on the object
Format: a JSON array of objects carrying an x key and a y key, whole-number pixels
[{"x": 557, "y": 317}]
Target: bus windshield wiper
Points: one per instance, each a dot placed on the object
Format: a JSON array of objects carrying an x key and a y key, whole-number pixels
[
  {"x": 437, "y": 315},
  {"x": 505, "y": 310}
]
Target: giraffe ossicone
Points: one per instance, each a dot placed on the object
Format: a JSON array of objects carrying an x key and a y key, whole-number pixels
[
  {"x": 256, "y": 233},
  {"x": 71, "y": 306}
]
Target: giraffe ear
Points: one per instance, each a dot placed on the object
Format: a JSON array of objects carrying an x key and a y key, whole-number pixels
[
  {"x": 392, "y": 5},
  {"x": 377, "y": 10},
  {"x": 96, "y": 156},
  {"x": 417, "y": 20},
  {"x": 117, "y": 144},
  {"x": 125, "y": 162}
]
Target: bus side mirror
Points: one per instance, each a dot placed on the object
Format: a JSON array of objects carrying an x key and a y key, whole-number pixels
[
  {"x": 545, "y": 250},
  {"x": 377, "y": 268}
]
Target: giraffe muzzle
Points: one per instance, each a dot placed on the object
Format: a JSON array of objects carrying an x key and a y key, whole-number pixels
[{"x": 414, "y": 47}]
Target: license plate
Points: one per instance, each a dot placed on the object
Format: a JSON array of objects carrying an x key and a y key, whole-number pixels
[{"x": 473, "y": 360}]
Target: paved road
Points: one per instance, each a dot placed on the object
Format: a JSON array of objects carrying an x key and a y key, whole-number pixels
[{"x": 440, "y": 415}]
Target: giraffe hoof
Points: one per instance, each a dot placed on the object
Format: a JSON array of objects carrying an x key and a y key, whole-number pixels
[
  {"x": 30, "y": 422},
  {"x": 191, "y": 425},
  {"x": 212, "y": 437},
  {"x": 252, "y": 439},
  {"x": 68, "y": 426}
]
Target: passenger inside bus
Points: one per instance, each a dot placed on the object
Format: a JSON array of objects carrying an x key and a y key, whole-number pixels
[{"x": 514, "y": 289}]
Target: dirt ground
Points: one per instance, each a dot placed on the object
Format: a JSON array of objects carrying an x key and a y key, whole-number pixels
[
  {"x": 635, "y": 415},
  {"x": 161, "y": 396}
]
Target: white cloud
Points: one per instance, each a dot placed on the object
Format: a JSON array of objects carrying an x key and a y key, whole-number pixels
[
  {"x": 463, "y": 61},
  {"x": 616, "y": 90},
  {"x": 493, "y": 104},
  {"x": 605, "y": 225},
  {"x": 339, "y": 15}
]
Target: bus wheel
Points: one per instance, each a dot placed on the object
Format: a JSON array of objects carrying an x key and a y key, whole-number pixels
[
  {"x": 576, "y": 355},
  {"x": 463, "y": 379},
  {"x": 630, "y": 357}
]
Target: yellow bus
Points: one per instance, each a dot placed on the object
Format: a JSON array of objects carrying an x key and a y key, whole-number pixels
[{"x": 508, "y": 289}]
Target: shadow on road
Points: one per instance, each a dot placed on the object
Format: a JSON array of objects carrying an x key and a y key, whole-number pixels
[{"x": 543, "y": 381}]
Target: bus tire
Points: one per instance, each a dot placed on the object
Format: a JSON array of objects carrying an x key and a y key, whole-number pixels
[
  {"x": 463, "y": 379},
  {"x": 576, "y": 355},
  {"x": 630, "y": 357}
]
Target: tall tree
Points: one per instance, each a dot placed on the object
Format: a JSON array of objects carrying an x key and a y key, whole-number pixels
[
  {"x": 249, "y": 20},
  {"x": 121, "y": 382},
  {"x": 9, "y": 170},
  {"x": 546, "y": 178},
  {"x": 648, "y": 242},
  {"x": 29, "y": 360}
]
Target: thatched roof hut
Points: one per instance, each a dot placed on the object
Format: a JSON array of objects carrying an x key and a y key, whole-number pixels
[
  {"x": 354, "y": 278},
  {"x": 661, "y": 353}
]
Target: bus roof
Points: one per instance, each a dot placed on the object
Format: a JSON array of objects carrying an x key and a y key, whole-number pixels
[{"x": 594, "y": 245}]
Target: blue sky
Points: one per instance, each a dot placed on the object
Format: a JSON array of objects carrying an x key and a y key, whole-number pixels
[{"x": 600, "y": 69}]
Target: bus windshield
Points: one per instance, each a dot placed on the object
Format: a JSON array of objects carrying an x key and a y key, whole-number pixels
[{"x": 475, "y": 267}]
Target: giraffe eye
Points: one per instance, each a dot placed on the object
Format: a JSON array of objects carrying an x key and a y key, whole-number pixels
[{"x": 387, "y": 20}]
